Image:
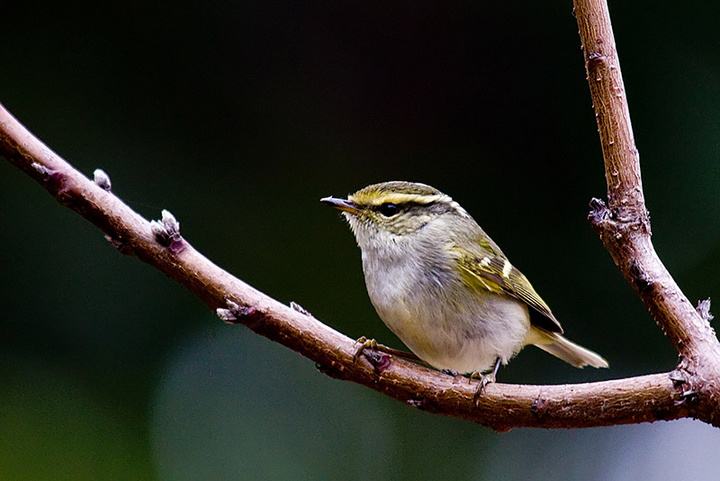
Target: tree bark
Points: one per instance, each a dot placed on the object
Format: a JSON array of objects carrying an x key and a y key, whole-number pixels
[{"x": 623, "y": 224}]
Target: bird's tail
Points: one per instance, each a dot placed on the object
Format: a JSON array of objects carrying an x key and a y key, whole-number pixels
[{"x": 564, "y": 349}]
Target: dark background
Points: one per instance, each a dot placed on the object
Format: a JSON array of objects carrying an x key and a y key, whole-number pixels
[{"x": 238, "y": 117}]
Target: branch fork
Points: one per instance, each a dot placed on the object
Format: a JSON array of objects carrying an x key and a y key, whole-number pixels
[{"x": 691, "y": 390}]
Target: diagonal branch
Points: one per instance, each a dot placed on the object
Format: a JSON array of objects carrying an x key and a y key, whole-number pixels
[
  {"x": 503, "y": 406},
  {"x": 691, "y": 390}
]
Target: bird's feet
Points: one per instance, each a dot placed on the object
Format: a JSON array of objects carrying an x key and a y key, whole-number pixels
[
  {"x": 485, "y": 379},
  {"x": 365, "y": 343}
]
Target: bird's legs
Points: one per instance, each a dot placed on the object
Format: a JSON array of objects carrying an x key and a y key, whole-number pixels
[{"x": 485, "y": 379}]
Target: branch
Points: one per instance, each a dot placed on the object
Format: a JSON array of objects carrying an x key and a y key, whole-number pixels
[
  {"x": 623, "y": 225},
  {"x": 503, "y": 406}
]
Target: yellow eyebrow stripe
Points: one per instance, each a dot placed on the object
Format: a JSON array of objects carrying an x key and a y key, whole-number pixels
[{"x": 396, "y": 198}]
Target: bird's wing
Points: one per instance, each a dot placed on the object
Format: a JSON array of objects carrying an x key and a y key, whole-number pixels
[{"x": 491, "y": 271}]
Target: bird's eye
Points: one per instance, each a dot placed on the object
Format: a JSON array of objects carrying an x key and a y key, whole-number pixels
[{"x": 388, "y": 209}]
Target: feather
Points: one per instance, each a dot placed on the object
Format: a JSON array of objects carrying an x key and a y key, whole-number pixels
[{"x": 493, "y": 272}]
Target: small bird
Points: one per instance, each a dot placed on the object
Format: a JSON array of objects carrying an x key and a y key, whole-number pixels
[{"x": 441, "y": 284}]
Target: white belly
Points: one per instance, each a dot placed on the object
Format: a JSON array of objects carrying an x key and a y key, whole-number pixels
[{"x": 444, "y": 323}]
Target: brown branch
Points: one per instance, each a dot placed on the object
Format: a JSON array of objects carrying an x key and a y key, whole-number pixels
[
  {"x": 623, "y": 225},
  {"x": 503, "y": 406}
]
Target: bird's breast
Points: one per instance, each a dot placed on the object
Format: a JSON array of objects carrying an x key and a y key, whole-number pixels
[
  {"x": 439, "y": 318},
  {"x": 415, "y": 299}
]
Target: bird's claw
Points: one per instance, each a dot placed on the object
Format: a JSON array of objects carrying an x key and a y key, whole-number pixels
[
  {"x": 364, "y": 343},
  {"x": 484, "y": 379}
]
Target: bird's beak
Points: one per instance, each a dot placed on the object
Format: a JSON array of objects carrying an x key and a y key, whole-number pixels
[{"x": 341, "y": 204}]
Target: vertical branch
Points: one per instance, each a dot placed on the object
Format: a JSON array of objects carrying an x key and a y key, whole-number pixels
[
  {"x": 622, "y": 160},
  {"x": 624, "y": 225}
]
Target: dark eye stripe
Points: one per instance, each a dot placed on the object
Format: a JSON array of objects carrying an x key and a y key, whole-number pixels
[{"x": 389, "y": 209}]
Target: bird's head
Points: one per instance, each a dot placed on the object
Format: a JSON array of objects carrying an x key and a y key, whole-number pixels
[{"x": 390, "y": 211}]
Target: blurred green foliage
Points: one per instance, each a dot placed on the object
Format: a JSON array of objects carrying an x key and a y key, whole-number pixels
[{"x": 238, "y": 117}]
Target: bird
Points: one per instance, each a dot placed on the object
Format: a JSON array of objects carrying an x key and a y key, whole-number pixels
[{"x": 444, "y": 287}]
